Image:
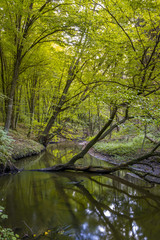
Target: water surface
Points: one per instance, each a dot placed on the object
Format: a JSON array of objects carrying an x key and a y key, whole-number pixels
[{"x": 101, "y": 207}]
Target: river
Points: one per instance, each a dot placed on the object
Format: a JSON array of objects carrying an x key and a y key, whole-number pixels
[{"x": 80, "y": 206}]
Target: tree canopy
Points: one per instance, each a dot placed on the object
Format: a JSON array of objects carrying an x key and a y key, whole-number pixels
[{"x": 65, "y": 64}]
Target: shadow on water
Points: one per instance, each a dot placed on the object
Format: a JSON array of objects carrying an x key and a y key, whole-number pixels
[{"x": 62, "y": 206}]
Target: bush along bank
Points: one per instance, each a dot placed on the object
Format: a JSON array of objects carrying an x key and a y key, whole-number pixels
[{"x": 6, "y": 153}]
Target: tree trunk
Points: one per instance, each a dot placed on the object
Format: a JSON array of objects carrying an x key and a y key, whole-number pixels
[
  {"x": 70, "y": 78},
  {"x": 19, "y": 95},
  {"x": 2, "y": 58},
  {"x": 44, "y": 137},
  {"x": 95, "y": 139},
  {"x": 13, "y": 115},
  {"x": 31, "y": 122},
  {"x": 12, "y": 92},
  {"x": 9, "y": 113},
  {"x": 99, "y": 169}
]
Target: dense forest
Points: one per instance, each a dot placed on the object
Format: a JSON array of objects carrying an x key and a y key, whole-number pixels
[
  {"x": 86, "y": 71},
  {"x": 80, "y": 68}
]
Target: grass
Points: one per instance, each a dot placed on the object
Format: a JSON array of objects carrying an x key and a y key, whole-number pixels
[{"x": 124, "y": 150}]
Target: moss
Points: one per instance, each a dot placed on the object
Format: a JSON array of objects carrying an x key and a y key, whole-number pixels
[
  {"x": 16, "y": 145},
  {"x": 23, "y": 146}
]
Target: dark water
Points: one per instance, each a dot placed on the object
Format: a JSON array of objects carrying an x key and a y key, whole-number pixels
[{"x": 101, "y": 207}]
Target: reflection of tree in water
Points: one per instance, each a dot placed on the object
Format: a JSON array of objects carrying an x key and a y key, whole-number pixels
[
  {"x": 61, "y": 153},
  {"x": 55, "y": 154},
  {"x": 113, "y": 214},
  {"x": 101, "y": 207}
]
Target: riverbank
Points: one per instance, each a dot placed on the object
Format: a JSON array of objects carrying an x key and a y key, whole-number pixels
[
  {"x": 22, "y": 146},
  {"x": 16, "y": 145},
  {"x": 148, "y": 169}
]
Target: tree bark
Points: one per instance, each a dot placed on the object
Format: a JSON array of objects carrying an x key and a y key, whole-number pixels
[
  {"x": 97, "y": 169},
  {"x": 115, "y": 125},
  {"x": 43, "y": 138},
  {"x": 94, "y": 140},
  {"x": 12, "y": 92}
]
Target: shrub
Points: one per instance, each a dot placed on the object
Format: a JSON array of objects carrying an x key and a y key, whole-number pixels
[
  {"x": 6, "y": 233},
  {"x": 5, "y": 146}
]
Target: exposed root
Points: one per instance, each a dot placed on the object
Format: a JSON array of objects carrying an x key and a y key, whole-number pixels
[{"x": 7, "y": 168}]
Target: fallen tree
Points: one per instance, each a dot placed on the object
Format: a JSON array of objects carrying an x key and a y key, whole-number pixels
[
  {"x": 70, "y": 166},
  {"x": 98, "y": 169}
]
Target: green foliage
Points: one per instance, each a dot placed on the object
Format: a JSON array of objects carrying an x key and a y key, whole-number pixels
[
  {"x": 79, "y": 60},
  {"x": 123, "y": 150},
  {"x": 6, "y": 233},
  {"x": 2, "y": 215},
  {"x": 23, "y": 146},
  {"x": 5, "y": 146}
]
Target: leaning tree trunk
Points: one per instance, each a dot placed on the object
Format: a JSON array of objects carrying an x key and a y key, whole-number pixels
[
  {"x": 94, "y": 140},
  {"x": 98, "y": 169},
  {"x": 44, "y": 137},
  {"x": 102, "y": 134}
]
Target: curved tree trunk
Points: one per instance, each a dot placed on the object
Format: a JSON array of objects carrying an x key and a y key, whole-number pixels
[
  {"x": 94, "y": 140},
  {"x": 97, "y": 169}
]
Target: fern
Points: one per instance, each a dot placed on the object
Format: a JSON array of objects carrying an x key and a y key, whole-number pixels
[{"x": 5, "y": 146}]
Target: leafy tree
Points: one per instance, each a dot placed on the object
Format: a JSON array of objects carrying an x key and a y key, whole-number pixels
[
  {"x": 24, "y": 26},
  {"x": 99, "y": 53},
  {"x": 127, "y": 67}
]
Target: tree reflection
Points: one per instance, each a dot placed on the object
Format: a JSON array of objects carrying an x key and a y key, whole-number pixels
[
  {"x": 100, "y": 207},
  {"x": 106, "y": 218},
  {"x": 112, "y": 222}
]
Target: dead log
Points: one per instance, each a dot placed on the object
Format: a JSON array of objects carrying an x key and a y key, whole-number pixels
[
  {"x": 70, "y": 166},
  {"x": 97, "y": 169}
]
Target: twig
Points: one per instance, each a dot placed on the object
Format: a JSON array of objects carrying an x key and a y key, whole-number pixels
[{"x": 28, "y": 227}]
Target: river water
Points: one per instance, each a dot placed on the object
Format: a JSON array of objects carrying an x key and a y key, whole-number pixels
[{"x": 54, "y": 206}]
